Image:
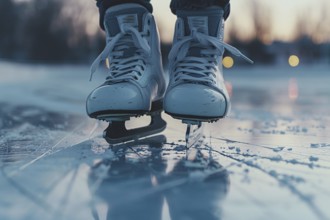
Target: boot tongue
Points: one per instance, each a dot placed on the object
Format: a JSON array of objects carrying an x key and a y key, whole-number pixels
[
  {"x": 129, "y": 14},
  {"x": 206, "y": 21}
]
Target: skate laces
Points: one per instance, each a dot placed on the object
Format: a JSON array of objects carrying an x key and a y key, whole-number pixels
[
  {"x": 196, "y": 69},
  {"x": 126, "y": 52}
]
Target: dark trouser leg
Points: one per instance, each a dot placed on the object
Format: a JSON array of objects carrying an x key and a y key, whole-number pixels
[
  {"x": 198, "y": 4},
  {"x": 103, "y": 5}
]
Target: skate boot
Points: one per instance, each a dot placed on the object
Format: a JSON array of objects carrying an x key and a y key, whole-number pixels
[
  {"x": 196, "y": 91},
  {"x": 135, "y": 84}
]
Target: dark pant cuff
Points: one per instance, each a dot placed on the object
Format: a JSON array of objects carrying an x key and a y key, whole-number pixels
[
  {"x": 200, "y": 4},
  {"x": 103, "y": 5}
]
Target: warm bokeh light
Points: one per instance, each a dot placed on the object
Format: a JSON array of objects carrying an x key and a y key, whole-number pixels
[
  {"x": 228, "y": 62},
  {"x": 293, "y": 60},
  {"x": 293, "y": 90}
]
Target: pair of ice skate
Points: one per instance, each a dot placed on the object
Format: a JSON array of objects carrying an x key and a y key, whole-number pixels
[{"x": 136, "y": 83}]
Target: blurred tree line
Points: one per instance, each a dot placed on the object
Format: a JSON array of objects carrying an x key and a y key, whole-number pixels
[
  {"x": 37, "y": 31},
  {"x": 264, "y": 50},
  {"x": 53, "y": 31}
]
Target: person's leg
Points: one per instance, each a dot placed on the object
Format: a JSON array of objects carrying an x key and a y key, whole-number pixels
[
  {"x": 200, "y": 4},
  {"x": 103, "y": 5},
  {"x": 135, "y": 84},
  {"x": 196, "y": 91}
]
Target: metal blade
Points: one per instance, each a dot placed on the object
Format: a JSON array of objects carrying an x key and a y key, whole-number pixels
[
  {"x": 116, "y": 133},
  {"x": 194, "y": 134}
]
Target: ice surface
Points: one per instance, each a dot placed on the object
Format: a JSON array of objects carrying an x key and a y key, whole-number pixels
[{"x": 269, "y": 160}]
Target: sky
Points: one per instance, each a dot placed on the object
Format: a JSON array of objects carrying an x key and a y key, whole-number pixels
[
  {"x": 282, "y": 20},
  {"x": 279, "y": 17}
]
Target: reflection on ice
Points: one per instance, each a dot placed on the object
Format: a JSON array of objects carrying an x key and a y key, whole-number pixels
[
  {"x": 274, "y": 149},
  {"x": 137, "y": 185}
]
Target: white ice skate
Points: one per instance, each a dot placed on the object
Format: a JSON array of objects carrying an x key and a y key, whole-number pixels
[
  {"x": 196, "y": 91},
  {"x": 135, "y": 84}
]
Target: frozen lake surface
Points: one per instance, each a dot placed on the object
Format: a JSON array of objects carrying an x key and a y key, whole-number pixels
[{"x": 270, "y": 159}]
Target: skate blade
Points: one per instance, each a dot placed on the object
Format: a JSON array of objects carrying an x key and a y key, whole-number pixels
[
  {"x": 117, "y": 133},
  {"x": 194, "y": 133}
]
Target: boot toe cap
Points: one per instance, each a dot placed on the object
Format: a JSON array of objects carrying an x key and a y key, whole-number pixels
[
  {"x": 117, "y": 97},
  {"x": 196, "y": 100}
]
